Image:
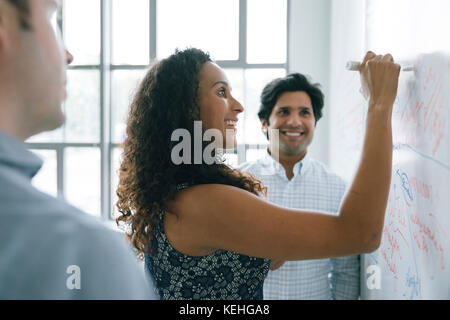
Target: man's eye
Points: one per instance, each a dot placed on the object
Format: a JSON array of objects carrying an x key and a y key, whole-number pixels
[{"x": 284, "y": 112}]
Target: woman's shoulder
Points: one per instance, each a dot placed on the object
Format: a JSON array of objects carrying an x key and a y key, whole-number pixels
[
  {"x": 204, "y": 197},
  {"x": 193, "y": 211},
  {"x": 211, "y": 192}
]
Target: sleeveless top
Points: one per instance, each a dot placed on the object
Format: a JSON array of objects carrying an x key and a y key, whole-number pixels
[{"x": 222, "y": 275}]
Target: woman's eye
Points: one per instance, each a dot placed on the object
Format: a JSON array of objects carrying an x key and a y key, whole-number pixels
[{"x": 222, "y": 92}]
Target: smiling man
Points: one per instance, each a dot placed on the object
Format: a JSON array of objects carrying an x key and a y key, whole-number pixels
[
  {"x": 292, "y": 106},
  {"x": 48, "y": 249}
]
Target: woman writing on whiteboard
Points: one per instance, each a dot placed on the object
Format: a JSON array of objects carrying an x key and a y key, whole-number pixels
[{"x": 202, "y": 228}]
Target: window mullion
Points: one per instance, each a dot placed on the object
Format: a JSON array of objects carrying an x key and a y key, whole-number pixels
[
  {"x": 242, "y": 32},
  {"x": 153, "y": 33},
  {"x": 60, "y": 20},
  {"x": 288, "y": 34},
  {"x": 105, "y": 108}
]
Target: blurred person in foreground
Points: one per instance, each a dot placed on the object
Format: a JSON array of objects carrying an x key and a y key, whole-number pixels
[{"x": 48, "y": 249}]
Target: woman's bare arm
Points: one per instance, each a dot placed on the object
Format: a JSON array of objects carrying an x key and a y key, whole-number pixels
[{"x": 225, "y": 217}]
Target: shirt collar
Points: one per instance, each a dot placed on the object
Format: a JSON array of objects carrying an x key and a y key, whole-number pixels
[
  {"x": 14, "y": 154},
  {"x": 275, "y": 167}
]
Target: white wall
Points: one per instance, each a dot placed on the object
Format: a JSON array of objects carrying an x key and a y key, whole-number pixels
[
  {"x": 348, "y": 42},
  {"x": 309, "y": 53}
]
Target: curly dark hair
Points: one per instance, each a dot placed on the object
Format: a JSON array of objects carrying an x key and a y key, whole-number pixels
[
  {"x": 165, "y": 101},
  {"x": 23, "y": 7}
]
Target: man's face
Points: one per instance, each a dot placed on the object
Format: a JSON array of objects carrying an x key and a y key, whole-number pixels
[
  {"x": 293, "y": 116},
  {"x": 40, "y": 62}
]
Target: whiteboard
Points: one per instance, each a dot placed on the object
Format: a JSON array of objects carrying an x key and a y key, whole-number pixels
[
  {"x": 413, "y": 261},
  {"x": 414, "y": 256}
]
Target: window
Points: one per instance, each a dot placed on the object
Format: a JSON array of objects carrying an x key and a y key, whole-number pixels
[{"x": 113, "y": 43}]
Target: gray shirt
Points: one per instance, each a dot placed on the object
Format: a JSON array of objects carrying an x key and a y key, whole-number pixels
[{"x": 51, "y": 250}]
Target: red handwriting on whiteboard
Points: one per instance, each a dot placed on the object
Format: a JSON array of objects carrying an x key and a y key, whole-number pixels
[
  {"x": 423, "y": 113},
  {"x": 395, "y": 247},
  {"x": 424, "y": 237},
  {"x": 421, "y": 188},
  {"x": 390, "y": 263}
]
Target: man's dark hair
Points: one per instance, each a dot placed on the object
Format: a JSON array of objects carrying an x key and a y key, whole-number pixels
[
  {"x": 291, "y": 83},
  {"x": 23, "y": 6}
]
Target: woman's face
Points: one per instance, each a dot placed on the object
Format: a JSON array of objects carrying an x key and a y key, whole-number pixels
[{"x": 218, "y": 108}]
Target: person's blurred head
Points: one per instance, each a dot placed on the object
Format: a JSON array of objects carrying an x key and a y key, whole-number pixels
[
  {"x": 32, "y": 67},
  {"x": 292, "y": 105}
]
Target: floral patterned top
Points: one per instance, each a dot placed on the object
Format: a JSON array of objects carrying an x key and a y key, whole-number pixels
[{"x": 222, "y": 275}]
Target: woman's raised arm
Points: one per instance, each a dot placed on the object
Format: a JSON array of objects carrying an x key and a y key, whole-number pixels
[{"x": 211, "y": 217}]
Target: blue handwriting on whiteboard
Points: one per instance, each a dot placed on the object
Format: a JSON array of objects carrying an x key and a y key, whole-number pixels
[
  {"x": 412, "y": 282},
  {"x": 405, "y": 186}
]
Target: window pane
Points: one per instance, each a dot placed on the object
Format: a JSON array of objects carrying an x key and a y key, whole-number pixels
[
  {"x": 210, "y": 25},
  {"x": 82, "y": 179},
  {"x": 117, "y": 159},
  {"x": 255, "y": 81},
  {"x": 82, "y": 107},
  {"x": 130, "y": 32},
  {"x": 231, "y": 159},
  {"x": 267, "y": 31},
  {"x": 46, "y": 179},
  {"x": 124, "y": 85},
  {"x": 255, "y": 154},
  {"x": 82, "y": 30}
]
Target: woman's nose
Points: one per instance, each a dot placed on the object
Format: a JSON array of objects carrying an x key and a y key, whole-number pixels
[{"x": 237, "y": 106}]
